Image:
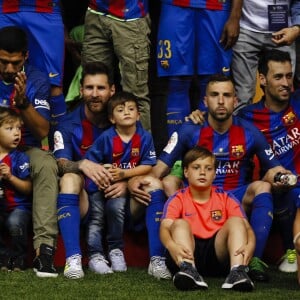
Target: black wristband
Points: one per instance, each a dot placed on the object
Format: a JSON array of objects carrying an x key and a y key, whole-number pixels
[{"x": 23, "y": 105}]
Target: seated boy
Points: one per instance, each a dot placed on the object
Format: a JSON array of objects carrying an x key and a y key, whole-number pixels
[{"x": 205, "y": 229}]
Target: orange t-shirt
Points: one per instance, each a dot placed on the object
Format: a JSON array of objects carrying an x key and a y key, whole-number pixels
[{"x": 206, "y": 218}]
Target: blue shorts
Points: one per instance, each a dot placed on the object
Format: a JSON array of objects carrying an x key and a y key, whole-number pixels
[
  {"x": 239, "y": 192},
  {"x": 45, "y": 33},
  {"x": 188, "y": 42}
]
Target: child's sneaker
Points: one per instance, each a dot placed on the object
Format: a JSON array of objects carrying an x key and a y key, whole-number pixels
[
  {"x": 158, "y": 269},
  {"x": 18, "y": 264},
  {"x": 289, "y": 262},
  {"x": 238, "y": 280},
  {"x": 5, "y": 262},
  {"x": 43, "y": 264},
  {"x": 117, "y": 260},
  {"x": 188, "y": 278},
  {"x": 99, "y": 264},
  {"x": 73, "y": 267}
]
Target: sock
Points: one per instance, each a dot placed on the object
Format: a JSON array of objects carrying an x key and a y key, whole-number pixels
[
  {"x": 178, "y": 102},
  {"x": 153, "y": 215},
  {"x": 202, "y": 83},
  {"x": 68, "y": 215},
  {"x": 261, "y": 221}
]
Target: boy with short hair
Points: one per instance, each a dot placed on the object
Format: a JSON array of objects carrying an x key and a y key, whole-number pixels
[
  {"x": 130, "y": 151},
  {"x": 16, "y": 188},
  {"x": 205, "y": 229}
]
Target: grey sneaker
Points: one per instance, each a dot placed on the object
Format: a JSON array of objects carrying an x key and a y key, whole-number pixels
[
  {"x": 118, "y": 263},
  {"x": 158, "y": 269},
  {"x": 99, "y": 264},
  {"x": 73, "y": 267},
  {"x": 238, "y": 280},
  {"x": 188, "y": 278}
]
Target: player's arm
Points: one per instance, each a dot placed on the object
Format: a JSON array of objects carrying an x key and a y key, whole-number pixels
[
  {"x": 231, "y": 28},
  {"x": 32, "y": 119},
  {"x": 22, "y": 185},
  {"x": 67, "y": 166},
  {"x": 120, "y": 174}
]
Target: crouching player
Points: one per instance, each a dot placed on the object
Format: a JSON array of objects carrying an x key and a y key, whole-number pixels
[{"x": 205, "y": 229}]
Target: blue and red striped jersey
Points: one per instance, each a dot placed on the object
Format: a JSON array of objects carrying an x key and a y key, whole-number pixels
[
  {"x": 234, "y": 150},
  {"x": 123, "y": 9},
  {"x": 207, "y": 4},
  {"x": 37, "y": 92},
  {"x": 75, "y": 136},
  {"x": 109, "y": 148},
  {"x": 281, "y": 129},
  {"x": 19, "y": 165},
  {"x": 40, "y": 6}
]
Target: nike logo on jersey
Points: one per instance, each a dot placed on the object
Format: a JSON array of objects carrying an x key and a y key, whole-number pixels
[
  {"x": 225, "y": 70},
  {"x": 51, "y": 75}
]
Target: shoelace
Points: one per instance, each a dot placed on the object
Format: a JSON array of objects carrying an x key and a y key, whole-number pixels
[
  {"x": 290, "y": 256},
  {"x": 257, "y": 264}
]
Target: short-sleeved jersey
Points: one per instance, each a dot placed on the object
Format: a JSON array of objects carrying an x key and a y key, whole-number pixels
[
  {"x": 127, "y": 9},
  {"x": 207, "y": 4},
  {"x": 40, "y": 6},
  {"x": 37, "y": 92},
  {"x": 206, "y": 218},
  {"x": 233, "y": 149},
  {"x": 109, "y": 148},
  {"x": 19, "y": 165},
  {"x": 75, "y": 136},
  {"x": 281, "y": 129}
]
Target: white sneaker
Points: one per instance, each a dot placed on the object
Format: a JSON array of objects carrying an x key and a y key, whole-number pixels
[
  {"x": 117, "y": 260},
  {"x": 99, "y": 264},
  {"x": 158, "y": 269},
  {"x": 289, "y": 262},
  {"x": 73, "y": 267}
]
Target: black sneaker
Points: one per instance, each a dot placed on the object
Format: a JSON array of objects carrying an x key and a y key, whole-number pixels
[
  {"x": 18, "y": 264},
  {"x": 188, "y": 278},
  {"x": 5, "y": 262},
  {"x": 43, "y": 264},
  {"x": 238, "y": 280},
  {"x": 257, "y": 270}
]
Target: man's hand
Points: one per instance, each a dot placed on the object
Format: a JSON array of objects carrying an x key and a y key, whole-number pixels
[
  {"x": 96, "y": 172},
  {"x": 136, "y": 186},
  {"x": 20, "y": 89},
  {"x": 230, "y": 33},
  {"x": 196, "y": 116},
  {"x": 286, "y": 36}
]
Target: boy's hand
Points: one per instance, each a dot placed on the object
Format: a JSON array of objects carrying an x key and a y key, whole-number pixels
[{"x": 5, "y": 171}]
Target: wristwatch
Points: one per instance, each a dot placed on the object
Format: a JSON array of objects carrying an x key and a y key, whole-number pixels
[{"x": 23, "y": 105}]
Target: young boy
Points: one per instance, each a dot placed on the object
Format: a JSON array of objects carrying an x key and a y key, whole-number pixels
[
  {"x": 130, "y": 151},
  {"x": 205, "y": 229},
  {"x": 15, "y": 191}
]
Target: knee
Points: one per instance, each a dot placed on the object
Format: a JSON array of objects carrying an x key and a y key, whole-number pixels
[
  {"x": 71, "y": 183},
  {"x": 171, "y": 184},
  {"x": 155, "y": 184}
]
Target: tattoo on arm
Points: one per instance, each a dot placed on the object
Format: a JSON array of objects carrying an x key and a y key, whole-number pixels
[{"x": 68, "y": 166}]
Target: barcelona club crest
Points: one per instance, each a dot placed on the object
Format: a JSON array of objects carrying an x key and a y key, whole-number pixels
[
  {"x": 237, "y": 151},
  {"x": 216, "y": 215},
  {"x": 135, "y": 152},
  {"x": 289, "y": 118}
]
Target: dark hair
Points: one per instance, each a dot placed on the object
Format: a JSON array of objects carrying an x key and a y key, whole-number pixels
[
  {"x": 95, "y": 68},
  {"x": 219, "y": 78},
  {"x": 119, "y": 99},
  {"x": 8, "y": 115},
  {"x": 13, "y": 39},
  {"x": 195, "y": 153},
  {"x": 271, "y": 55}
]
